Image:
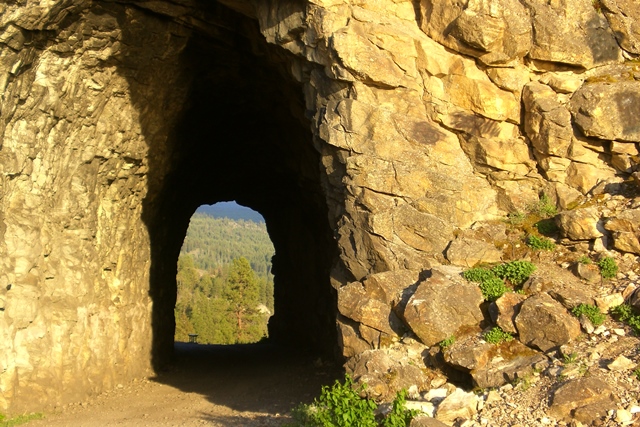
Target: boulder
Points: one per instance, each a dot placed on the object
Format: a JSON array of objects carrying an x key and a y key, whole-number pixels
[
  {"x": 547, "y": 122},
  {"x": 585, "y": 40},
  {"x": 357, "y": 304},
  {"x": 471, "y": 252},
  {"x": 424, "y": 421},
  {"x": 580, "y": 224},
  {"x": 606, "y": 110},
  {"x": 585, "y": 399},
  {"x": 458, "y": 404},
  {"x": 624, "y": 20},
  {"x": 493, "y": 365},
  {"x": 504, "y": 310},
  {"x": 442, "y": 306},
  {"x": 495, "y": 33},
  {"x": 545, "y": 324},
  {"x": 499, "y": 31},
  {"x": 385, "y": 371},
  {"x": 625, "y": 228}
]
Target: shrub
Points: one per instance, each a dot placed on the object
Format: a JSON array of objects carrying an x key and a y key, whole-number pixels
[
  {"x": 608, "y": 268},
  {"x": 540, "y": 243},
  {"x": 493, "y": 288},
  {"x": 584, "y": 260},
  {"x": 637, "y": 373},
  {"x": 342, "y": 406},
  {"x": 399, "y": 415},
  {"x": 496, "y": 335},
  {"x": 516, "y": 272},
  {"x": 544, "y": 208},
  {"x": 592, "y": 312},
  {"x": 447, "y": 342},
  {"x": 478, "y": 275},
  {"x": 626, "y": 313}
]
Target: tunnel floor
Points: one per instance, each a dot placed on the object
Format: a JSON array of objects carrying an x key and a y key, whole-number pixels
[{"x": 249, "y": 385}]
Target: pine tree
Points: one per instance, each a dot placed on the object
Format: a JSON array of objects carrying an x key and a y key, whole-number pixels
[{"x": 242, "y": 293}]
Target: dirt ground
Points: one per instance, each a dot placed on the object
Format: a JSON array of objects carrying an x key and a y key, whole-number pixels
[{"x": 250, "y": 386}]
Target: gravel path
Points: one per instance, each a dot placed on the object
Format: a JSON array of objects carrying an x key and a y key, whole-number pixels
[{"x": 248, "y": 386}]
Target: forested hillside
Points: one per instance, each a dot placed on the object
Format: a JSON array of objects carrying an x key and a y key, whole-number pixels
[{"x": 225, "y": 286}]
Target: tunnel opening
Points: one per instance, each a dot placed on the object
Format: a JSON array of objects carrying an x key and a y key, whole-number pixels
[
  {"x": 224, "y": 280},
  {"x": 242, "y": 135}
]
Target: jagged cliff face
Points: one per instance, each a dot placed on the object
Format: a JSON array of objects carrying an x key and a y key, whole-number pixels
[{"x": 368, "y": 134}]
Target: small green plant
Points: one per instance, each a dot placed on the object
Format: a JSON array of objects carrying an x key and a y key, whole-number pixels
[
  {"x": 496, "y": 336},
  {"x": 399, "y": 415},
  {"x": 544, "y": 208},
  {"x": 478, "y": 274},
  {"x": 492, "y": 286},
  {"x": 20, "y": 419},
  {"x": 540, "y": 243},
  {"x": 625, "y": 313},
  {"x": 515, "y": 218},
  {"x": 570, "y": 358},
  {"x": 592, "y": 312},
  {"x": 342, "y": 406},
  {"x": 608, "y": 267},
  {"x": 584, "y": 260},
  {"x": 516, "y": 272},
  {"x": 447, "y": 342},
  {"x": 637, "y": 374}
]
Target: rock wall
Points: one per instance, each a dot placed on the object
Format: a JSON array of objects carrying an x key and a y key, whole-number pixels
[{"x": 423, "y": 118}]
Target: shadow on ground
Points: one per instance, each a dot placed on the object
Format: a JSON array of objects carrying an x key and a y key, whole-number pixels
[{"x": 259, "y": 377}]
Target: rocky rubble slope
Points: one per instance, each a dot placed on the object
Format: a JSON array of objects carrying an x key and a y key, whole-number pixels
[{"x": 549, "y": 365}]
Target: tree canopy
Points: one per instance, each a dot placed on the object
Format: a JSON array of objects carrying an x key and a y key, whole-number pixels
[{"x": 224, "y": 296}]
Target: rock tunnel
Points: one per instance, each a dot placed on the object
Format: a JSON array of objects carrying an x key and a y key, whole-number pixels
[
  {"x": 243, "y": 135},
  {"x": 371, "y": 136}
]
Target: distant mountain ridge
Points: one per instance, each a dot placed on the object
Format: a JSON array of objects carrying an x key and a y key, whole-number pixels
[{"x": 230, "y": 210}]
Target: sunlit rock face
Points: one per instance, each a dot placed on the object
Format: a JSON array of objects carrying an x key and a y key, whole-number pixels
[{"x": 369, "y": 134}]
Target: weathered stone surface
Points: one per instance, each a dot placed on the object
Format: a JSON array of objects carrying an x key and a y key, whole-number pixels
[
  {"x": 584, "y": 399},
  {"x": 458, "y": 404},
  {"x": 585, "y": 40},
  {"x": 425, "y": 421},
  {"x": 367, "y": 144},
  {"x": 504, "y": 310},
  {"x": 588, "y": 272},
  {"x": 357, "y": 304},
  {"x": 442, "y": 306},
  {"x": 547, "y": 122},
  {"x": 385, "y": 371},
  {"x": 625, "y": 228},
  {"x": 492, "y": 365},
  {"x": 604, "y": 110},
  {"x": 580, "y": 224},
  {"x": 470, "y": 252},
  {"x": 545, "y": 324},
  {"x": 624, "y": 18},
  {"x": 502, "y": 29}
]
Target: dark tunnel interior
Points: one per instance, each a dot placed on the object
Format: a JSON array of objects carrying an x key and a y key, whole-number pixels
[{"x": 243, "y": 136}]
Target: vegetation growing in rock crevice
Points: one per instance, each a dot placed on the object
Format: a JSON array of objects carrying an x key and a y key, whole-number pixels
[
  {"x": 491, "y": 281},
  {"x": 342, "y": 406},
  {"x": 593, "y": 313}
]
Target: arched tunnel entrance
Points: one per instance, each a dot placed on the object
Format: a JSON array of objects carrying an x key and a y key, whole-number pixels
[{"x": 243, "y": 136}]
